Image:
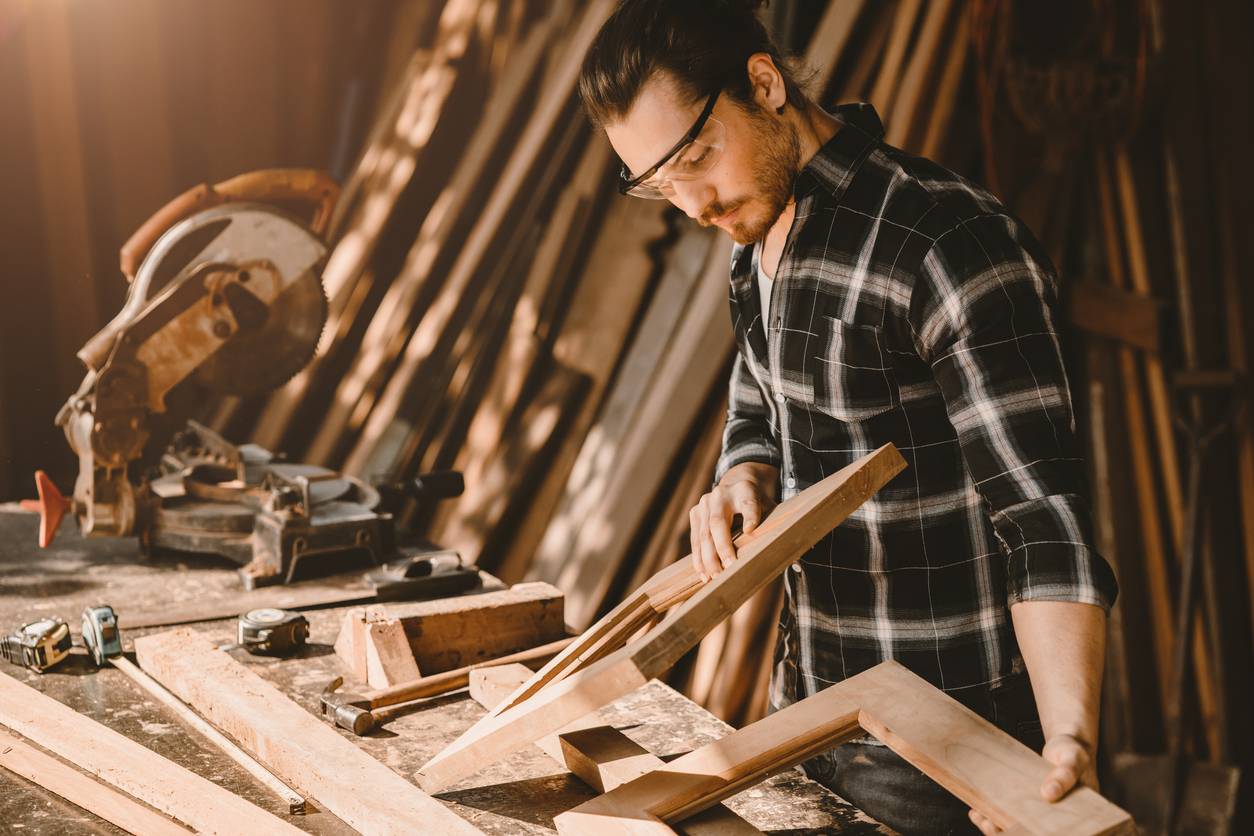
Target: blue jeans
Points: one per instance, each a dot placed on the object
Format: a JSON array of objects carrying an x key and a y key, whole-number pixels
[{"x": 887, "y": 788}]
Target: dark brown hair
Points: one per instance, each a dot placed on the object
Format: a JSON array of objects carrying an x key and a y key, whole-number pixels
[{"x": 703, "y": 44}]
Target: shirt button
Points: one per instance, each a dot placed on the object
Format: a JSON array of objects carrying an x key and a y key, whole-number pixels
[
  {"x": 792, "y": 483},
  {"x": 796, "y": 567},
  {"x": 779, "y": 397}
]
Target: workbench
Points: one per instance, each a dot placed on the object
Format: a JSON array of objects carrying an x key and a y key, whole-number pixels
[{"x": 519, "y": 795}]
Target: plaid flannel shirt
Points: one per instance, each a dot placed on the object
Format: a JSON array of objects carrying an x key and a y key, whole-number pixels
[{"x": 910, "y": 306}]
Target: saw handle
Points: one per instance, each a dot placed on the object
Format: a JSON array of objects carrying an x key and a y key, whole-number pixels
[{"x": 271, "y": 185}]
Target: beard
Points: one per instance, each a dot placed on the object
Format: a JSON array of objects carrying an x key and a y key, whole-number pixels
[{"x": 774, "y": 172}]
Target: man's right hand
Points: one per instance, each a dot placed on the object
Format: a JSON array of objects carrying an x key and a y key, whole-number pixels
[{"x": 748, "y": 490}]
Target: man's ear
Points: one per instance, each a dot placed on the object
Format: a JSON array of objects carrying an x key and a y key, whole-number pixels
[{"x": 766, "y": 82}]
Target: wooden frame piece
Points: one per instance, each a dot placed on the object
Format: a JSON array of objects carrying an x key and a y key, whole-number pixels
[
  {"x": 130, "y": 767},
  {"x": 602, "y": 666},
  {"x": 115, "y": 807},
  {"x": 296, "y": 745},
  {"x": 969, "y": 756}
]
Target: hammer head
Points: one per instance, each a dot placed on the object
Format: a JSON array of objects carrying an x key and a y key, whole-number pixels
[{"x": 346, "y": 710}]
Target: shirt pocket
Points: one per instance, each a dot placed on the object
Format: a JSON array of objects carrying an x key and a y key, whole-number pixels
[{"x": 851, "y": 372}]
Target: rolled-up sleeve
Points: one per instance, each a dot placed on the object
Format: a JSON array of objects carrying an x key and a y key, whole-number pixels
[
  {"x": 982, "y": 316},
  {"x": 747, "y": 435}
]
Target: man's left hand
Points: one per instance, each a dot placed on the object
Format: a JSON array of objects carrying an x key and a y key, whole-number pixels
[{"x": 1073, "y": 764}]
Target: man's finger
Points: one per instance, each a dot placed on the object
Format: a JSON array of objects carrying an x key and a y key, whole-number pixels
[
  {"x": 705, "y": 547},
  {"x": 984, "y": 823},
  {"x": 720, "y": 532},
  {"x": 694, "y": 541},
  {"x": 1058, "y": 782},
  {"x": 749, "y": 509}
]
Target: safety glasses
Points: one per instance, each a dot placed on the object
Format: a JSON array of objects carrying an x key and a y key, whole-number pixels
[{"x": 694, "y": 155}]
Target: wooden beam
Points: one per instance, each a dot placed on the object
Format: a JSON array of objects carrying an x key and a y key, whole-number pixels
[
  {"x": 942, "y": 105},
  {"x": 295, "y": 803},
  {"x": 886, "y": 83},
  {"x": 1121, "y": 315},
  {"x": 455, "y": 632},
  {"x": 918, "y": 69},
  {"x": 589, "y": 675},
  {"x": 128, "y": 766},
  {"x": 295, "y": 745},
  {"x": 969, "y": 756},
  {"x": 25, "y": 760}
]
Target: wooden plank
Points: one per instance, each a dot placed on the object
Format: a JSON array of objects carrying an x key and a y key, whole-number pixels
[
  {"x": 828, "y": 42},
  {"x": 627, "y": 464},
  {"x": 295, "y": 803},
  {"x": 787, "y": 533},
  {"x": 114, "y": 807},
  {"x": 886, "y": 83},
  {"x": 918, "y": 70},
  {"x": 295, "y": 745},
  {"x": 411, "y": 126},
  {"x": 128, "y": 766},
  {"x": 493, "y": 213},
  {"x": 969, "y": 756},
  {"x": 454, "y": 632},
  {"x": 490, "y": 686},
  {"x": 942, "y": 104},
  {"x": 612, "y": 285}
]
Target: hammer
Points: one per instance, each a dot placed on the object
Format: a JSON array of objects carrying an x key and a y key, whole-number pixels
[{"x": 356, "y": 711}]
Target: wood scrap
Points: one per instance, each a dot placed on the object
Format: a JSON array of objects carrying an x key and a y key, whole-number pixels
[
  {"x": 969, "y": 756},
  {"x": 128, "y": 766},
  {"x": 592, "y": 672},
  {"x": 289, "y": 740},
  {"x": 388, "y": 657},
  {"x": 117, "y": 808}
]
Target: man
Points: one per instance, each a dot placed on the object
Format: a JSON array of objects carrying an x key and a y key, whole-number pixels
[{"x": 876, "y": 297}]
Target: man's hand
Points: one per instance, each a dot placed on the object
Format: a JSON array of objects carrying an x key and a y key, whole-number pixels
[
  {"x": 1073, "y": 764},
  {"x": 747, "y": 490}
]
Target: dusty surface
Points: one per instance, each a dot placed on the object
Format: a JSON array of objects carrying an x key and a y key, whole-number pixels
[{"x": 520, "y": 795}]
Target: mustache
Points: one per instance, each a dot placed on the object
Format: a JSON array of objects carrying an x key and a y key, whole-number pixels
[{"x": 717, "y": 210}]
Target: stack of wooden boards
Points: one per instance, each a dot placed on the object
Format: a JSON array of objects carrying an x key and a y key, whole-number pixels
[{"x": 498, "y": 308}]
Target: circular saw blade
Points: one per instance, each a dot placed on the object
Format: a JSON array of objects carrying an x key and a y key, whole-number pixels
[{"x": 264, "y": 358}]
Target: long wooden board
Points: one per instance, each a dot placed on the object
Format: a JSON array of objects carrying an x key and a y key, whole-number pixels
[
  {"x": 128, "y": 766},
  {"x": 25, "y": 760},
  {"x": 295, "y": 745},
  {"x": 602, "y": 676},
  {"x": 969, "y": 756}
]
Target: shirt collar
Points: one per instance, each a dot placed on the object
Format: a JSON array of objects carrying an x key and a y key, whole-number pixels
[{"x": 833, "y": 167}]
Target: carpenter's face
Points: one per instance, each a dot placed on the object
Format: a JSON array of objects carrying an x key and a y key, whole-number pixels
[{"x": 750, "y": 181}]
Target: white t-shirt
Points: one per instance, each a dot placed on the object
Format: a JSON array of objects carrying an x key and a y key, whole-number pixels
[{"x": 765, "y": 283}]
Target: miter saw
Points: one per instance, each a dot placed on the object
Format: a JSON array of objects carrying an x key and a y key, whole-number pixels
[{"x": 225, "y": 299}]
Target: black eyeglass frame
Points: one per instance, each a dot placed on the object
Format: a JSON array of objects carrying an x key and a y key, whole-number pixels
[{"x": 626, "y": 183}]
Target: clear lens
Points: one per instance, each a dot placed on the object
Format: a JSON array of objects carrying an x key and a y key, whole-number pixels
[{"x": 689, "y": 163}]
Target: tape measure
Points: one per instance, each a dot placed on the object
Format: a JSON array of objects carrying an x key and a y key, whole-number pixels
[
  {"x": 38, "y": 645},
  {"x": 100, "y": 633},
  {"x": 272, "y": 632}
]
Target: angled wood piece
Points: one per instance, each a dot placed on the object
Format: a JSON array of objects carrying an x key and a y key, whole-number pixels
[
  {"x": 296, "y": 745},
  {"x": 982, "y": 765},
  {"x": 601, "y": 756},
  {"x": 548, "y": 702},
  {"x": 130, "y": 767},
  {"x": 117, "y": 808}
]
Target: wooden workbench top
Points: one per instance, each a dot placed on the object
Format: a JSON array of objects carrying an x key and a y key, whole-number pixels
[{"x": 519, "y": 795}]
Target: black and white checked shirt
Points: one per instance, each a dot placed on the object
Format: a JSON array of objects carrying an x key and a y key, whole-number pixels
[{"x": 910, "y": 306}]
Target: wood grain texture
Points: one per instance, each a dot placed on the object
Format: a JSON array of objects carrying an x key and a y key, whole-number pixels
[
  {"x": 388, "y": 657},
  {"x": 128, "y": 766},
  {"x": 25, "y": 760},
  {"x": 979, "y": 763},
  {"x": 294, "y": 744},
  {"x": 787, "y": 533}
]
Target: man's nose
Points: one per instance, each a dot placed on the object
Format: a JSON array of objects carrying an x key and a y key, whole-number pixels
[{"x": 691, "y": 196}]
